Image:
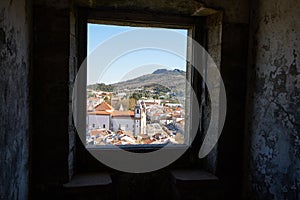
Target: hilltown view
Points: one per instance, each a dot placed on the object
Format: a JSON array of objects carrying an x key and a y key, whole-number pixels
[{"x": 146, "y": 113}]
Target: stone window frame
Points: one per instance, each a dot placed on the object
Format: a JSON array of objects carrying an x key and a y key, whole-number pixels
[{"x": 205, "y": 29}]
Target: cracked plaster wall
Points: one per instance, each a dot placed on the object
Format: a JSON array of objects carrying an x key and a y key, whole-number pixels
[{"x": 274, "y": 99}]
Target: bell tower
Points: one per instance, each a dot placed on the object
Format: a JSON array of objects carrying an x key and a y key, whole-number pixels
[
  {"x": 137, "y": 119},
  {"x": 140, "y": 118}
]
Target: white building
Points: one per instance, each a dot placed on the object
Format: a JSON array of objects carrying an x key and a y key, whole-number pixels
[
  {"x": 105, "y": 117},
  {"x": 122, "y": 120},
  {"x": 100, "y": 117}
]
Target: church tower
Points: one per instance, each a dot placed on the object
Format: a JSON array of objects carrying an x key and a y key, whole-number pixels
[{"x": 139, "y": 119}]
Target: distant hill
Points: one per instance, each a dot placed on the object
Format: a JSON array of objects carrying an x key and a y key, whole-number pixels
[
  {"x": 162, "y": 79},
  {"x": 101, "y": 87},
  {"x": 172, "y": 79},
  {"x": 160, "y": 71}
]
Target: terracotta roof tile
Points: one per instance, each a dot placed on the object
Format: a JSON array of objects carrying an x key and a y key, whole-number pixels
[
  {"x": 99, "y": 113},
  {"x": 117, "y": 113},
  {"x": 103, "y": 107}
]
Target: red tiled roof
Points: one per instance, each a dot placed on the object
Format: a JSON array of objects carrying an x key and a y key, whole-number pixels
[
  {"x": 99, "y": 113},
  {"x": 117, "y": 113},
  {"x": 150, "y": 103},
  {"x": 103, "y": 107},
  {"x": 98, "y": 132}
]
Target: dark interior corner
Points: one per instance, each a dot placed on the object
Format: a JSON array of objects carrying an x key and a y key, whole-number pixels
[{"x": 254, "y": 43}]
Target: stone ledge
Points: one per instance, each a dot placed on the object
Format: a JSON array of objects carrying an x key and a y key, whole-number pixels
[
  {"x": 193, "y": 177},
  {"x": 89, "y": 180}
]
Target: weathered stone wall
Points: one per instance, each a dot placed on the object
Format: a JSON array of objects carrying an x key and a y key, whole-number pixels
[
  {"x": 234, "y": 53},
  {"x": 72, "y": 74},
  {"x": 50, "y": 165},
  {"x": 15, "y": 28},
  {"x": 274, "y": 100}
]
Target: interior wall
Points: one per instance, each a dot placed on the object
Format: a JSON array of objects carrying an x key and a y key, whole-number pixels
[
  {"x": 274, "y": 100},
  {"x": 273, "y": 143},
  {"x": 15, "y": 66},
  {"x": 234, "y": 53}
]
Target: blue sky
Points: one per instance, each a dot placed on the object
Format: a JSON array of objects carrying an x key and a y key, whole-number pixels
[{"x": 131, "y": 65}]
